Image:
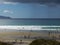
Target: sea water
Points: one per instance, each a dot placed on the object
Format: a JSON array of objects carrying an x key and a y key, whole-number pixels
[{"x": 20, "y": 22}]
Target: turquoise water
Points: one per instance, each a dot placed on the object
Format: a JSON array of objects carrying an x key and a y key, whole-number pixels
[{"x": 30, "y": 22}]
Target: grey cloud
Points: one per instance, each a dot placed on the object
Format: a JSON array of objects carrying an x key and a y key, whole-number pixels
[{"x": 34, "y": 1}]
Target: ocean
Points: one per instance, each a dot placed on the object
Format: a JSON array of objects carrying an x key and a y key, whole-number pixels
[{"x": 19, "y": 22}]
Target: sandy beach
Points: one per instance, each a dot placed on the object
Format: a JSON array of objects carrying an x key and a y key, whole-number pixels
[
  {"x": 18, "y": 36},
  {"x": 27, "y": 36}
]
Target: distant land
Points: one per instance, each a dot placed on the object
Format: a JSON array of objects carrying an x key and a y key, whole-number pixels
[{"x": 5, "y": 17}]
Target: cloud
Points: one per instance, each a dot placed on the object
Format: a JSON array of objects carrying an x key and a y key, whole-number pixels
[
  {"x": 8, "y": 2},
  {"x": 7, "y": 11},
  {"x": 13, "y": 3},
  {"x": 34, "y": 1}
]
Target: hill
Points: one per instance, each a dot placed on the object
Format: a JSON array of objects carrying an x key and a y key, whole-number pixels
[{"x": 5, "y": 17}]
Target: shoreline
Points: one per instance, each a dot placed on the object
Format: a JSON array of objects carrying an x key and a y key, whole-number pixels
[{"x": 30, "y": 27}]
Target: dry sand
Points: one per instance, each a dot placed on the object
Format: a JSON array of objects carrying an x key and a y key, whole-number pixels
[{"x": 7, "y": 36}]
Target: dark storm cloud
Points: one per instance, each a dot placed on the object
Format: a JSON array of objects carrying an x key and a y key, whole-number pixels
[{"x": 34, "y": 1}]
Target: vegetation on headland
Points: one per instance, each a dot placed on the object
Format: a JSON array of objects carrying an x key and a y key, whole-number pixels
[
  {"x": 44, "y": 42},
  {"x": 2, "y": 43}
]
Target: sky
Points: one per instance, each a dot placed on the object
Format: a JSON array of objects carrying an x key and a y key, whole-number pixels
[{"x": 30, "y": 8}]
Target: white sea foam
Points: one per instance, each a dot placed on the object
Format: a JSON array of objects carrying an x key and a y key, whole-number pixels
[{"x": 33, "y": 27}]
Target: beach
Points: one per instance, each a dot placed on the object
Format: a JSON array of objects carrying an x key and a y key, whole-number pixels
[{"x": 16, "y": 34}]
